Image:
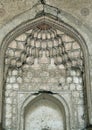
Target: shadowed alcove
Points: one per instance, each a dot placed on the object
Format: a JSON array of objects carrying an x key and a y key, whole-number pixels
[{"x": 45, "y": 112}]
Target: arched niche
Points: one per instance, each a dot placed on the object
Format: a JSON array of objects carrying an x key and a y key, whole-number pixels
[
  {"x": 59, "y": 24},
  {"x": 44, "y": 111}
]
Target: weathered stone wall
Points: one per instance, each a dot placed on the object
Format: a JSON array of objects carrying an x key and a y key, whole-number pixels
[
  {"x": 81, "y": 9},
  {"x": 19, "y": 82},
  {"x": 25, "y": 76}
]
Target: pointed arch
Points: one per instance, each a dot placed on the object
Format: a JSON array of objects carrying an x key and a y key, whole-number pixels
[
  {"x": 68, "y": 29},
  {"x": 56, "y": 99}
]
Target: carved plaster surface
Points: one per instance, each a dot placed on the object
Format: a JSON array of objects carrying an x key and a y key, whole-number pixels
[{"x": 44, "y": 58}]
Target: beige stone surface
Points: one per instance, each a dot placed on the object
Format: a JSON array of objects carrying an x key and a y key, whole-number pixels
[
  {"x": 25, "y": 75},
  {"x": 81, "y": 9},
  {"x": 39, "y": 70}
]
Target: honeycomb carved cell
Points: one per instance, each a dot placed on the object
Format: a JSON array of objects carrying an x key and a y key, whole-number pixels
[{"x": 44, "y": 26}]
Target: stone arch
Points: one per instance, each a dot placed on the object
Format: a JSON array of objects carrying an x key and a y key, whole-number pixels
[
  {"x": 55, "y": 98},
  {"x": 69, "y": 30}
]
